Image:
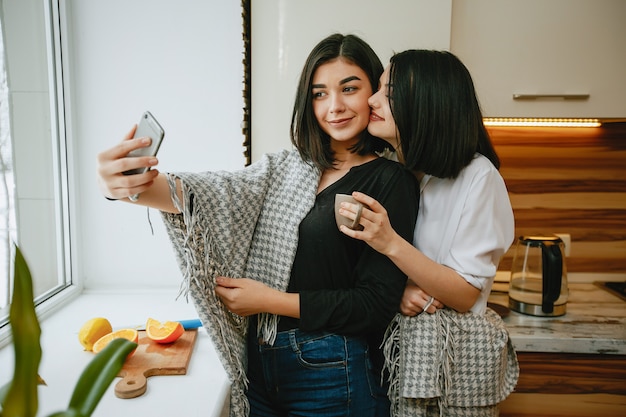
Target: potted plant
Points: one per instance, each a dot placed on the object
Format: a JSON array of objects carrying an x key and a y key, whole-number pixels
[{"x": 19, "y": 398}]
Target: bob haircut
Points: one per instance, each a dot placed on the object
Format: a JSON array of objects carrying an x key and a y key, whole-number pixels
[
  {"x": 306, "y": 134},
  {"x": 438, "y": 117}
]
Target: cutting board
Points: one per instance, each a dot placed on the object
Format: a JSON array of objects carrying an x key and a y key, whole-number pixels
[{"x": 151, "y": 358}]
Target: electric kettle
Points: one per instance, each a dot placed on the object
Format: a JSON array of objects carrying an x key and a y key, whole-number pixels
[{"x": 538, "y": 277}]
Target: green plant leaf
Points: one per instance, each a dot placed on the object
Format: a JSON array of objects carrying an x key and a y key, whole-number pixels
[
  {"x": 3, "y": 393},
  {"x": 67, "y": 413},
  {"x": 98, "y": 374},
  {"x": 5, "y": 389},
  {"x": 21, "y": 398}
]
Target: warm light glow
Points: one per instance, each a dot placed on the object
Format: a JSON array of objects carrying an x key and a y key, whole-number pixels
[{"x": 534, "y": 122}]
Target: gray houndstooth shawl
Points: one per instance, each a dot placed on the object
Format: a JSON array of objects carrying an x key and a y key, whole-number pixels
[
  {"x": 449, "y": 364},
  {"x": 239, "y": 224}
]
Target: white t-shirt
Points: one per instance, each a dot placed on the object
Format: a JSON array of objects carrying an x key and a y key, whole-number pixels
[{"x": 467, "y": 224}]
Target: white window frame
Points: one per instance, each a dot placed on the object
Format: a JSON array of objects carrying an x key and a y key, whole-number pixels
[{"x": 58, "y": 70}]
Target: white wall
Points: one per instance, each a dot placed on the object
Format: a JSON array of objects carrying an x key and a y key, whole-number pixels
[
  {"x": 182, "y": 60},
  {"x": 284, "y": 32}
]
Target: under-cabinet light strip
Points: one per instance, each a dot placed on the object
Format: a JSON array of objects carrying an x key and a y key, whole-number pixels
[{"x": 536, "y": 122}]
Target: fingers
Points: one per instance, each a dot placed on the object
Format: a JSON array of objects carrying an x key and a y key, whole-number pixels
[
  {"x": 127, "y": 145},
  {"x": 226, "y": 282},
  {"x": 372, "y": 211},
  {"x": 224, "y": 288},
  {"x": 116, "y": 185},
  {"x": 432, "y": 305},
  {"x": 371, "y": 203},
  {"x": 414, "y": 310},
  {"x": 354, "y": 212},
  {"x": 408, "y": 310},
  {"x": 356, "y": 222},
  {"x": 415, "y": 301},
  {"x": 113, "y": 162},
  {"x": 241, "y": 296},
  {"x": 429, "y": 303},
  {"x": 123, "y": 148}
]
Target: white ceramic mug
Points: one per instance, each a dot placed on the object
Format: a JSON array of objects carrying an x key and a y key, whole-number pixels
[{"x": 346, "y": 221}]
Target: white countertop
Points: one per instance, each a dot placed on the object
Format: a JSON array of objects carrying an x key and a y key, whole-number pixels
[{"x": 200, "y": 392}]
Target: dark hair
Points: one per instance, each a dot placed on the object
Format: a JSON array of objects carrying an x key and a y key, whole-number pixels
[
  {"x": 439, "y": 121},
  {"x": 306, "y": 134}
]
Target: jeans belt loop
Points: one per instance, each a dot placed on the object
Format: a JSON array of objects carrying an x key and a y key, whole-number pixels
[{"x": 293, "y": 341}]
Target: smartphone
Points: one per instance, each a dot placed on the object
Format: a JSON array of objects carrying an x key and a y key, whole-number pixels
[{"x": 147, "y": 127}]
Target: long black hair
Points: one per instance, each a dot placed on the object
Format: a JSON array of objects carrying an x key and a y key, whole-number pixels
[
  {"x": 434, "y": 105},
  {"x": 306, "y": 134}
]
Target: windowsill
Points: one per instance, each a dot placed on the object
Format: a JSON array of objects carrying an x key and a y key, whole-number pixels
[
  {"x": 204, "y": 386},
  {"x": 44, "y": 310}
]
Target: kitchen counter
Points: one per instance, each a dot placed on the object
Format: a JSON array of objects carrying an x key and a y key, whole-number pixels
[
  {"x": 594, "y": 328},
  {"x": 595, "y": 323},
  {"x": 560, "y": 358}
]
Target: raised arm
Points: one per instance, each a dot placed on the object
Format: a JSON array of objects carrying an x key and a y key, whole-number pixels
[{"x": 151, "y": 186}]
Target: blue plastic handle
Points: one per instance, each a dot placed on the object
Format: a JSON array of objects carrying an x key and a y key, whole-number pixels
[{"x": 190, "y": 324}]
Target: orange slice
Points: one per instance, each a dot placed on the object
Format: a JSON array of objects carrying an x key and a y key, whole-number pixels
[
  {"x": 166, "y": 332},
  {"x": 130, "y": 334}
]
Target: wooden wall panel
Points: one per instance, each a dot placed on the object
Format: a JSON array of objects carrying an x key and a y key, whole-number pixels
[
  {"x": 569, "y": 180},
  {"x": 568, "y": 384}
]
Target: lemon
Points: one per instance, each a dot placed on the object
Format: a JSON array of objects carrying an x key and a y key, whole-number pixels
[{"x": 93, "y": 330}]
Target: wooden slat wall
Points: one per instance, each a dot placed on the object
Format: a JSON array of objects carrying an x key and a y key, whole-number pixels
[
  {"x": 568, "y": 385},
  {"x": 569, "y": 180}
]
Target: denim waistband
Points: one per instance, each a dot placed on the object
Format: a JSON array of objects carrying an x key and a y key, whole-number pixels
[{"x": 288, "y": 338}]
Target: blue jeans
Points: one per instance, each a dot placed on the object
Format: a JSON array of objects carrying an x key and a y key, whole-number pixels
[{"x": 313, "y": 374}]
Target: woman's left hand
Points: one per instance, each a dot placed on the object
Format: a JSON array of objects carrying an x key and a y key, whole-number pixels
[
  {"x": 242, "y": 296},
  {"x": 377, "y": 231}
]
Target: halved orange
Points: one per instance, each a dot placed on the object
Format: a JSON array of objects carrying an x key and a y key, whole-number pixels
[
  {"x": 130, "y": 334},
  {"x": 166, "y": 332}
]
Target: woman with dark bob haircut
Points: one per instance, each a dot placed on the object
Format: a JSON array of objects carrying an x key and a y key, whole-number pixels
[
  {"x": 296, "y": 310},
  {"x": 427, "y": 109},
  {"x": 307, "y": 135},
  {"x": 440, "y": 124}
]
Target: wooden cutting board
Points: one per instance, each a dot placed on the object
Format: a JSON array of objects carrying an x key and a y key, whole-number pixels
[{"x": 151, "y": 358}]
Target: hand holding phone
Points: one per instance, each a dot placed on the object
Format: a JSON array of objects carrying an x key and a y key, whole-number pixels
[{"x": 147, "y": 127}]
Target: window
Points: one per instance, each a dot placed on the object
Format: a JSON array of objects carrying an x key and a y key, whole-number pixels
[
  {"x": 34, "y": 207},
  {"x": 7, "y": 210}
]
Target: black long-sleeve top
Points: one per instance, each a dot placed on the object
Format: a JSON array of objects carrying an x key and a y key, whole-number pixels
[{"x": 345, "y": 286}]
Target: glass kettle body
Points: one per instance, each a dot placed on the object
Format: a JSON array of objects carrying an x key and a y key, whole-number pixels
[{"x": 538, "y": 277}]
